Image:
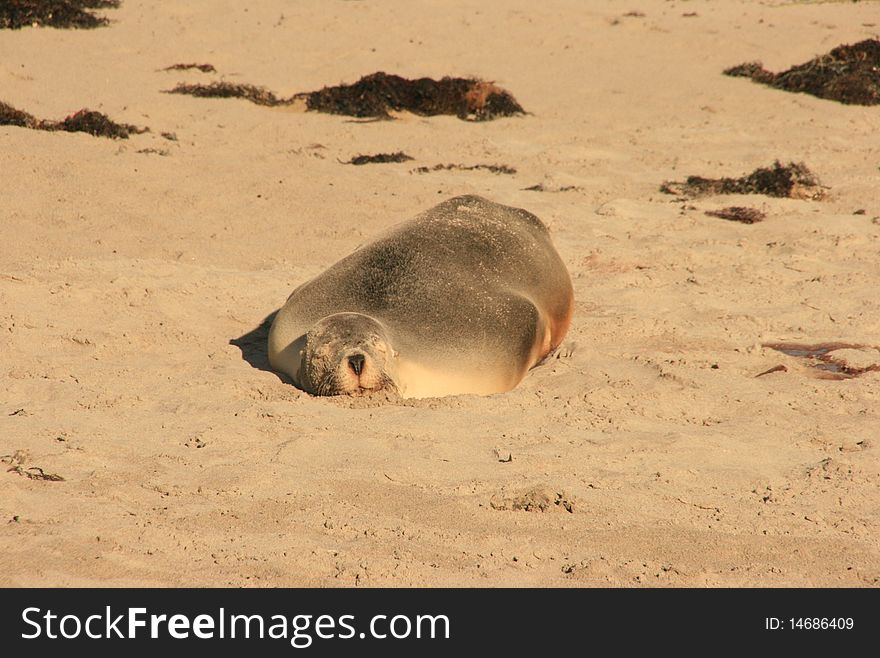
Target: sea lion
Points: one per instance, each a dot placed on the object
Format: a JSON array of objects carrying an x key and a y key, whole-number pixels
[{"x": 463, "y": 298}]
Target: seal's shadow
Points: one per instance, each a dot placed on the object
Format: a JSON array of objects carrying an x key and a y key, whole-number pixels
[{"x": 253, "y": 346}]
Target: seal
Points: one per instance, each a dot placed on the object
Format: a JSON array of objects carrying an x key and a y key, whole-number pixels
[{"x": 464, "y": 298}]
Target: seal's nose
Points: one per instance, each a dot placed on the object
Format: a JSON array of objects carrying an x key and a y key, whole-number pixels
[{"x": 356, "y": 363}]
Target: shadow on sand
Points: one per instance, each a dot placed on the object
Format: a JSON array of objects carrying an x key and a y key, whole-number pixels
[{"x": 254, "y": 349}]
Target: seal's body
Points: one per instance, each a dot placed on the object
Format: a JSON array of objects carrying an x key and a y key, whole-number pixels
[{"x": 464, "y": 298}]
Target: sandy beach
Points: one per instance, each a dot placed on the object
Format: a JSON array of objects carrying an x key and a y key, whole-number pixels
[{"x": 146, "y": 442}]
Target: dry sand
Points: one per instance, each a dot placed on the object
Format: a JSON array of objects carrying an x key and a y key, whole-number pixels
[{"x": 650, "y": 454}]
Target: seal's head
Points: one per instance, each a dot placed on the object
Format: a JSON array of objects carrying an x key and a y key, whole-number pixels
[{"x": 347, "y": 354}]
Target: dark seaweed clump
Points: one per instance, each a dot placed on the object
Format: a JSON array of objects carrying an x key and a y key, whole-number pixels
[
  {"x": 204, "y": 68},
  {"x": 85, "y": 121},
  {"x": 376, "y": 95},
  {"x": 793, "y": 180},
  {"x": 380, "y": 93},
  {"x": 495, "y": 169},
  {"x": 848, "y": 74},
  {"x": 258, "y": 95},
  {"x": 738, "y": 214},
  {"x": 9, "y": 116},
  {"x": 399, "y": 156},
  {"x": 94, "y": 123},
  {"x": 540, "y": 187},
  {"x": 15, "y": 14}
]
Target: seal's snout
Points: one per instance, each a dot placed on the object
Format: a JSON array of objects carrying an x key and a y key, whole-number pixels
[
  {"x": 347, "y": 354},
  {"x": 356, "y": 363}
]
